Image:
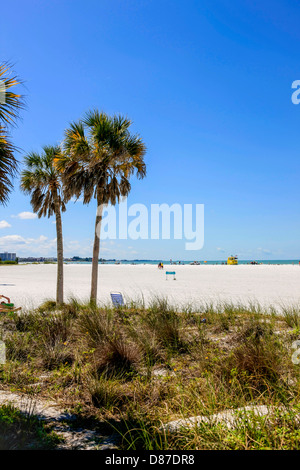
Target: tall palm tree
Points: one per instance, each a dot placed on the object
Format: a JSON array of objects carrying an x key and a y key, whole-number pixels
[
  {"x": 100, "y": 155},
  {"x": 42, "y": 181},
  {"x": 10, "y": 103}
]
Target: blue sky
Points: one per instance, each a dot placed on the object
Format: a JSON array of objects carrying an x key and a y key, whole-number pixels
[{"x": 208, "y": 86}]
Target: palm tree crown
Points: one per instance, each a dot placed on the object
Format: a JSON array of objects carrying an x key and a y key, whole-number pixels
[
  {"x": 42, "y": 181},
  {"x": 100, "y": 156}
]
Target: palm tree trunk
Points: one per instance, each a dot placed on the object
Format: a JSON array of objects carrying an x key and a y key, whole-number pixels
[
  {"x": 60, "y": 255},
  {"x": 96, "y": 251}
]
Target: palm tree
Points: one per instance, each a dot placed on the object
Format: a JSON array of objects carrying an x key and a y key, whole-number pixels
[
  {"x": 42, "y": 181},
  {"x": 8, "y": 166},
  {"x": 10, "y": 103},
  {"x": 100, "y": 156}
]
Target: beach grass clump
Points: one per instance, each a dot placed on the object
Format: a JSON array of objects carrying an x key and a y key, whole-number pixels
[
  {"x": 48, "y": 306},
  {"x": 96, "y": 325},
  {"x": 166, "y": 324},
  {"x": 74, "y": 306},
  {"x": 56, "y": 328},
  {"x": 118, "y": 357},
  {"x": 45, "y": 336},
  {"x": 113, "y": 351},
  {"x": 107, "y": 393},
  {"x": 25, "y": 321},
  {"x": 166, "y": 327},
  {"x": 147, "y": 343},
  {"x": 291, "y": 315},
  {"x": 254, "y": 366},
  {"x": 255, "y": 329},
  {"x": 255, "y": 361},
  {"x": 54, "y": 338},
  {"x": 54, "y": 354},
  {"x": 18, "y": 346}
]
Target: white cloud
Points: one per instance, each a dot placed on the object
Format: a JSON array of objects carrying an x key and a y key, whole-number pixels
[
  {"x": 41, "y": 246},
  {"x": 221, "y": 250},
  {"x": 25, "y": 215},
  {"x": 44, "y": 246},
  {"x": 12, "y": 240},
  {"x": 4, "y": 224}
]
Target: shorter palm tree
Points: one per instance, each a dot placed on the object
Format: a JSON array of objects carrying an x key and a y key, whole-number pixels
[{"x": 42, "y": 181}]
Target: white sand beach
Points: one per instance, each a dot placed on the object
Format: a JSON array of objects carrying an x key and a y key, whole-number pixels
[{"x": 29, "y": 285}]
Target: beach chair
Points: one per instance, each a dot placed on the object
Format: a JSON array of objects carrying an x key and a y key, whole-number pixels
[
  {"x": 117, "y": 299},
  {"x": 8, "y": 308},
  {"x": 170, "y": 273}
]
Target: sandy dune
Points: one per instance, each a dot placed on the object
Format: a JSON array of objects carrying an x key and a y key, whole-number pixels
[{"x": 29, "y": 285}]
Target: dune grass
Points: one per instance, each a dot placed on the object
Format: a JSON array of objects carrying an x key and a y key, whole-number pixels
[{"x": 136, "y": 368}]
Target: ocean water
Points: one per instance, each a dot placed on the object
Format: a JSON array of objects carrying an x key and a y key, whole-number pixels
[{"x": 179, "y": 262}]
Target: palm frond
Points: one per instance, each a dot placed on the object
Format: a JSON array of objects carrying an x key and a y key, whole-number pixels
[
  {"x": 10, "y": 102},
  {"x": 100, "y": 155},
  {"x": 8, "y": 166},
  {"x": 42, "y": 180}
]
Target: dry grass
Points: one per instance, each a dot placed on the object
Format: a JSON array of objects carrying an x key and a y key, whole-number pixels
[{"x": 141, "y": 366}]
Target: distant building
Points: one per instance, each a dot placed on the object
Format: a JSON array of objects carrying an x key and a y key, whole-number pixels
[{"x": 8, "y": 256}]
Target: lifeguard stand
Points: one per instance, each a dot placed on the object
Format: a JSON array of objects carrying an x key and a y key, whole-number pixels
[{"x": 232, "y": 260}]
